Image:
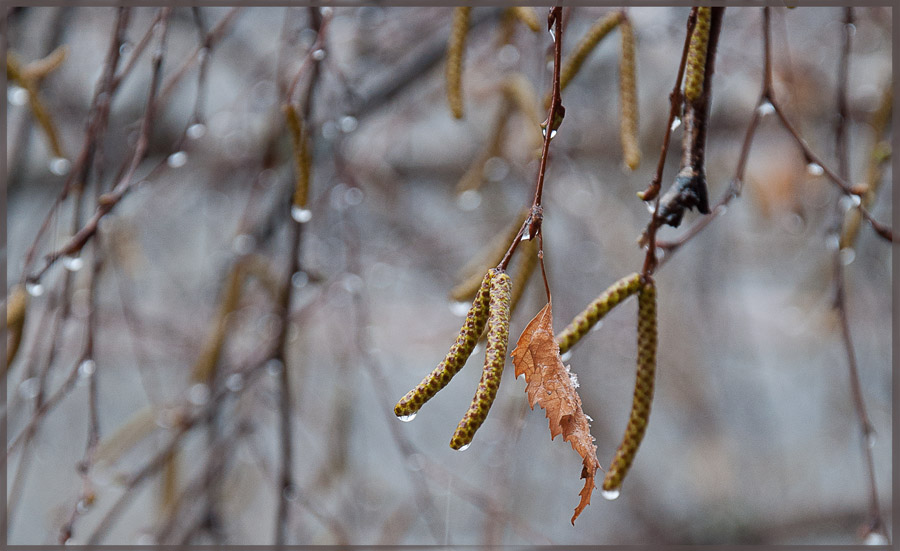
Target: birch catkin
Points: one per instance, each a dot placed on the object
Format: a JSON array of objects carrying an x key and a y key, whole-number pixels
[
  {"x": 608, "y": 299},
  {"x": 528, "y": 16},
  {"x": 456, "y": 357},
  {"x": 455, "y": 50},
  {"x": 16, "y": 307},
  {"x": 494, "y": 359},
  {"x": 628, "y": 97},
  {"x": 696, "y": 61},
  {"x": 586, "y": 45},
  {"x": 643, "y": 389},
  {"x": 301, "y": 155}
]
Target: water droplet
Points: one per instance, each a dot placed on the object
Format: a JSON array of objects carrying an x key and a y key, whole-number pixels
[
  {"x": 815, "y": 169},
  {"x": 177, "y": 159},
  {"x": 299, "y": 279},
  {"x": 676, "y": 122},
  {"x": 597, "y": 326},
  {"x": 874, "y": 538},
  {"x": 16, "y": 95},
  {"x": 468, "y": 200},
  {"x": 464, "y": 447},
  {"x": 526, "y": 235},
  {"x": 566, "y": 356},
  {"x": 870, "y": 439},
  {"x": 610, "y": 494},
  {"x": 300, "y": 214},
  {"x": 73, "y": 263},
  {"x": 87, "y": 368},
  {"x": 407, "y": 418},
  {"x": 34, "y": 289},
  {"x": 508, "y": 54},
  {"x": 326, "y": 11},
  {"x": 845, "y": 203},
  {"x": 243, "y": 243},
  {"x": 354, "y": 196},
  {"x": 234, "y": 382},
  {"x": 196, "y": 131},
  {"x": 765, "y": 108},
  {"x": 553, "y": 34},
  {"x": 588, "y": 417},
  {"x": 274, "y": 366},
  {"x": 29, "y": 388},
  {"x": 847, "y": 256},
  {"x": 651, "y": 208},
  {"x": 459, "y": 308},
  {"x": 60, "y": 166},
  {"x": 125, "y": 47},
  {"x": 495, "y": 169},
  {"x": 198, "y": 394},
  {"x": 319, "y": 54},
  {"x": 851, "y": 29},
  {"x": 348, "y": 124},
  {"x": 855, "y": 200},
  {"x": 82, "y": 506},
  {"x": 722, "y": 210},
  {"x": 832, "y": 242}
]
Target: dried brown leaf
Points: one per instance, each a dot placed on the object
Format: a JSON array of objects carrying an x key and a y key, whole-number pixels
[{"x": 550, "y": 385}]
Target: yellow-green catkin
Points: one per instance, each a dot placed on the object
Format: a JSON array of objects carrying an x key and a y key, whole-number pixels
[
  {"x": 16, "y": 307},
  {"x": 528, "y": 16},
  {"x": 628, "y": 120},
  {"x": 456, "y": 357},
  {"x": 524, "y": 270},
  {"x": 643, "y": 389},
  {"x": 301, "y": 155},
  {"x": 586, "y": 45},
  {"x": 28, "y": 79},
  {"x": 455, "y": 50},
  {"x": 696, "y": 61},
  {"x": 494, "y": 359},
  {"x": 608, "y": 299}
]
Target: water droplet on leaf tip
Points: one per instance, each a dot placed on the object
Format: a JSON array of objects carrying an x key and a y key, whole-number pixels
[
  {"x": 300, "y": 214},
  {"x": 610, "y": 494},
  {"x": 815, "y": 169},
  {"x": 60, "y": 166},
  {"x": 177, "y": 159},
  {"x": 407, "y": 418}
]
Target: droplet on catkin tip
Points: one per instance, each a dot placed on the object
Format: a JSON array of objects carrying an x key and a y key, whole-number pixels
[
  {"x": 610, "y": 494},
  {"x": 34, "y": 289},
  {"x": 407, "y": 418},
  {"x": 60, "y": 166},
  {"x": 300, "y": 214},
  {"x": 566, "y": 356},
  {"x": 848, "y": 255},
  {"x": 463, "y": 448}
]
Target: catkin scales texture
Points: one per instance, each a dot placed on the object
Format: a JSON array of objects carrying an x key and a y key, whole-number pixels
[
  {"x": 643, "y": 389},
  {"x": 628, "y": 98},
  {"x": 455, "y": 358},
  {"x": 494, "y": 360},
  {"x": 696, "y": 61},
  {"x": 586, "y": 45},
  {"x": 608, "y": 299},
  {"x": 455, "y": 51}
]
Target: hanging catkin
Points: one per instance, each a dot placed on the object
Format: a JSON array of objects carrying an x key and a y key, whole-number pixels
[
  {"x": 456, "y": 357},
  {"x": 643, "y": 388},
  {"x": 608, "y": 299},
  {"x": 628, "y": 105},
  {"x": 494, "y": 359},
  {"x": 455, "y": 50}
]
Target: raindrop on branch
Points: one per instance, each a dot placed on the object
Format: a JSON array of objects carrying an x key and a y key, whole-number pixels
[
  {"x": 196, "y": 131},
  {"x": 177, "y": 159},
  {"x": 73, "y": 263},
  {"x": 34, "y": 289},
  {"x": 60, "y": 166},
  {"x": 815, "y": 169}
]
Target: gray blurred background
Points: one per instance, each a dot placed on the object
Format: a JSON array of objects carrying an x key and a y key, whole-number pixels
[{"x": 753, "y": 436}]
